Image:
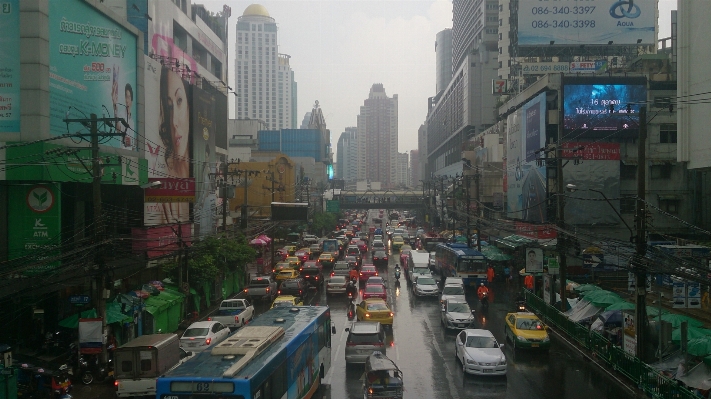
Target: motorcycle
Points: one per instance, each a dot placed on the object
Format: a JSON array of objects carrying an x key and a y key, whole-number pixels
[
  {"x": 397, "y": 272},
  {"x": 352, "y": 291},
  {"x": 91, "y": 370},
  {"x": 351, "y": 311},
  {"x": 484, "y": 300},
  {"x": 520, "y": 306}
]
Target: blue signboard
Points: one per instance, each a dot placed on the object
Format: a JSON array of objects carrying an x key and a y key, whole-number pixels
[{"x": 79, "y": 299}]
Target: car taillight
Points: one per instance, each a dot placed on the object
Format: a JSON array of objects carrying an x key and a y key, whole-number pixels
[
  {"x": 246, "y": 290},
  {"x": 116, "y": 385},
  {"x": 391, "y": 314},
  {"x": 379, "y": 344},
  {"x": 376, "y": 258},
  {"x": 279, "y": 292},
  {"x": 267, "y": 289},
  {"x": 333, "y": 274},
  {"x": 236, "y": 319},
  {"x": 207, "y": 341},
  {"x": 299, "y": 292},
  {"x": 367, "y": 315},
  {"x": 361, "y": 273},
  {"x": 316, "y": 277},
  {"x": 376, "y": 273},
  {"x": 209, "y": 319}
]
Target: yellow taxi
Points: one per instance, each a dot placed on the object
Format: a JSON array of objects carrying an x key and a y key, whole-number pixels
[
  {"x": 375, "y": 309},
  {"x": 286, "y": 274},
  {"x": 290, "y": 249},
  {"x": 398, "y": 242},
  {"x": 326, "y": 259},
  {"x": 286, "y": 300},
  {"x": 294, "y": 261},
  {"x": 525, "y": 330},
  {"x": 282, "y": 266}
]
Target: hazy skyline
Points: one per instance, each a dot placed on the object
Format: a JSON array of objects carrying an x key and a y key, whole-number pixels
[{"x": 340, "y": 48}]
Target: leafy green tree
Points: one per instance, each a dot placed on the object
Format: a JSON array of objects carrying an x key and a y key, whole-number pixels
[{"x": 323, "y": 222}]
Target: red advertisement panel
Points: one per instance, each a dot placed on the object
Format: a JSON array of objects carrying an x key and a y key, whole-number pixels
[
  {"x": 592, "y": 151},
  {"x": 539, "y": 231},
  {"x": 160, "y": 240}
]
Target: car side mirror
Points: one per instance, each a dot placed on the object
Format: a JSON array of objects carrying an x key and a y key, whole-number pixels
[
  {"x": 473, "y": 311},
  {"x": 501, "y": 346},
  {"x": 347, "y": 329},
  {"x": 333, "y": 330}
]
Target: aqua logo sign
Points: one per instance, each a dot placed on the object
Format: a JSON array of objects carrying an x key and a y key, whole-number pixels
[{"x": 625, "y": 9}]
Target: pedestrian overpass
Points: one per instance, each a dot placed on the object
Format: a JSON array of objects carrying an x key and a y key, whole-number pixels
[{"x": 380, "y": 199}]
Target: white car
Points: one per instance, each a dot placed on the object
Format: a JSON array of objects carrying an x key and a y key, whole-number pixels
[
  {"x": 425, "y": 286},
  {"x": 479, "y": 353},
  {"x": 416, "y": 272},
  {"x": 453, "y": 291},
  {"x": 456, "y": 314},
  {"x": 203, "y": 334}
]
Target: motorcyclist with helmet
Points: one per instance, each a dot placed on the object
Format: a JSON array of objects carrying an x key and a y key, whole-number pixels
[{"x": 483, "y": 293}]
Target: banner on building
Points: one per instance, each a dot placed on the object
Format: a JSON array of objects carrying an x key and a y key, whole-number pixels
[{"x": 10, "y": 66}]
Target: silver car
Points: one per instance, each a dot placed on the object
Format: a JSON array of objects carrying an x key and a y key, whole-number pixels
[
  {"x": 336, "y": 285},
  {"x": 364, "y": 338},
  {"x": 453, "y": 291},
  {"x": 456, "y": 314},
  {"x": 425, "y": 286}
]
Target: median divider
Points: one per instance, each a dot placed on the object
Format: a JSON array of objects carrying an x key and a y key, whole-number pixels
[{"x": 647, "y": 379}]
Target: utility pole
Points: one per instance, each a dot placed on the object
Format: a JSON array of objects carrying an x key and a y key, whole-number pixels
[
  {"x": 560, "y": 203},
  {"x": 478, "y": 210},
  {"x": 441, "y": 201},
  {"x": 224, "y": 196},
  {"x": 469, "y": 205},
  {"x": 641, "y": 239}
]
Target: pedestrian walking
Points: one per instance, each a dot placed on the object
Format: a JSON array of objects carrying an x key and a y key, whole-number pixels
[
  {"x": 507, "y": 274},
  {"x": 490, "y": 274}
]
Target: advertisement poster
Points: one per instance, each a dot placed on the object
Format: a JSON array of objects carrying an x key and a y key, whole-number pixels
[
  {"x": 34, "y": 211},
  {"x": 630, "y": 333},
  {"x": 526, "y": 199},
  {"x": 693, "y": 295},
  {"x": 679, "y": 294},
  {"x": 204, "y": 126},
  {"x": 575, "y": 23},
  {"x": 587, "y": 107},
  {"x": 534, "y": 260},
  {"x": 547, "y": 289},
  {"x": 92, "y": 69},
  {"x": 10, "y": 66},
  {"x": 168, "y": 141}
]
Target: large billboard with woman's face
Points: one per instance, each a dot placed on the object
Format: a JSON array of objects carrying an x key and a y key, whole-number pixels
[
  {"x": 168, "y": 145},
  {"x": 92, "y": 70}
]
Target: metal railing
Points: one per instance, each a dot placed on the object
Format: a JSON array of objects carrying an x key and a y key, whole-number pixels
[{"x": 647, "y": 379}]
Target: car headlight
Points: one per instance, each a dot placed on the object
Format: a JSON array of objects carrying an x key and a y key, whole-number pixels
[
  {"x": 520, "y": 338},
  {"x": 450, "y": 318},
  {"x": 470, "y": 361},
  {"x": 502, "y": 362},
  {"x": 482, "y": 364}
]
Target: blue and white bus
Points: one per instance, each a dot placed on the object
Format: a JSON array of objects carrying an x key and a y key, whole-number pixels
[
  {"x": 283, "y": 353},
  {"x": 458, "y": 260}
]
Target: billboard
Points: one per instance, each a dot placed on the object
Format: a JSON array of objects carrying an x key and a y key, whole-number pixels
[
  {"x": 526, "y": 181},
  {"x": 168, "y": 144},
  {"x": 204, "y": 125},
  {"x": 92, "y": 69},
  {"x": 598, "y": 22},
  {"x": 587, "y": 104},
  {"x": 10, "y": 66}
]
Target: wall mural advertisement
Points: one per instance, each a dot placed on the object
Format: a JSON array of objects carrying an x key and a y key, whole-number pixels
[
  {"x": 34, "y": 211},
  {"x": 591, "y": 22},
  {"x": 587, "y": 106},
  {"x": 526, "y": 181},
  {"x": 92, "y": 69},
  {"x": 204, "y": 126},
  {"x": 10, "y": 66},
  {"x": 168, "y": 145}
]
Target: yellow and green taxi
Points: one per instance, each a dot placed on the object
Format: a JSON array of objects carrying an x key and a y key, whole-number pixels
[
  {"x": 326, "y": 259},
  {"x": 294, "y": 261},
  {"x": 375, "y": 309},
  {"x": 398, "y": 242},
  {"x": 525, "y": 330},
  {"x": 286, "y": 274},
  {"x": 290, "y": 249},
  {"x": 286, "y": 300},
  {"x": 282, "y": 266}
]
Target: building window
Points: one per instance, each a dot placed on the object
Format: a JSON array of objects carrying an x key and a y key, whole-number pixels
[
  {"x": 628, "y": 172},
  {"x": 661, "y": 171},
  {"x": 627, "y": 205},
  {"x": 669, "y": 205},
  {"x": 667, "y": 133},
  {"x": 662, "y": 101}
]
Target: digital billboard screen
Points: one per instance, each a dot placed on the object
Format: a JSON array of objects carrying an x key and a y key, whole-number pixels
[
  {"x": 602, "y": 107},
  {"x": 596, "y": 22}
]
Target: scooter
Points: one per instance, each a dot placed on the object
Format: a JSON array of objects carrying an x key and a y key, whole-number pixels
[
  {"x": 397, "y": 272},
  {"x": 352, "y": 290},
  {"x": 92, "y": 370},
  {"x": 484, "y": 300},
  {"x": 521, "y": 306}
]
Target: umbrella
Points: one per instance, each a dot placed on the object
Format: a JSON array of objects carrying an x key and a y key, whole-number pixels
[
  {"x": 460, "y": 239},
  {"x": 257, "y": 241},
  {"x": 609, "y": 319},
  {"x": 623, "y": 305},
  {"x": 587, "y": 287},
  {"x": 675, "y": 319},
  {"x": 264, "y": 238},
  {"x": 605, "y": 299},
  {"x": 691, "y": 333},
  {"x": 699, "y": 346},
  {"x": 654, "y": 311}
]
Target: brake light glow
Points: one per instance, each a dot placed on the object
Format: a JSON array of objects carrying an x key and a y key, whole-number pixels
[
  {"x": 391, "y": 314},
  {"x": 246, "y": 290},
  {"x": 267, "y": 289},
  {"x": 236, "y": 319},
  {"x": 209, "y": 319},
  {"x": 367, "y": 315},
  {"x": 207, "y": 341},
  {"x": 279, "y": 292},
  {"x": 116, "y": 385}
]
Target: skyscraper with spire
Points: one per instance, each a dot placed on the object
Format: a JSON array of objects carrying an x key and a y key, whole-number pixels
[{"x": 264, "y": 81}]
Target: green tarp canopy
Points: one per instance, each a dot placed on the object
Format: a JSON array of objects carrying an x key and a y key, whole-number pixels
[
  {"x": 494, "y": 254},
  {"x": 114, "y": 314},
  {"x": 515, "y": 241},
  {"x": 73, "y": 320},
  {"x": 166, "y": 309}
]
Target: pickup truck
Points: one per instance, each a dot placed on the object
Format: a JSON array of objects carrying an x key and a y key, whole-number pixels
[
  {"x": 261, "y": 287},
  {"x": 233, "y": 313}
]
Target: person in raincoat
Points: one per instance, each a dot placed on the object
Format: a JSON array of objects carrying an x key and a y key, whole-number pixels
[{"x": 490, "y": 274}]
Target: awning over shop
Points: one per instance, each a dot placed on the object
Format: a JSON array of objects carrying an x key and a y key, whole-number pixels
[
  {"x": 114, "y": 314},
  {"x": 494, "y": 254},
  {"x": 73, "y": 320},
  {"x": 515, "y": 241}
]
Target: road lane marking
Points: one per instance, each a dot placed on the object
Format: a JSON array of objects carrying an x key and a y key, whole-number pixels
[{"x": 397, "y": 352}]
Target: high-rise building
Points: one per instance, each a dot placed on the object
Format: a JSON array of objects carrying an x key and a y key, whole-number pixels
[
  {"x": 377, "y": 137},
  {"x": 263, "y": 78},
  {"x": 415, "y": 176},
  {"x": 402, "y": 170},
  {"x": 473, "y": 22},
  {"x": 443, "y": 51},
  {"x": 305, "y": 121},
  {"x": 347, "y": 165}
]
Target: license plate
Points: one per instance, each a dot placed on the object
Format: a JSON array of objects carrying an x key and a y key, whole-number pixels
[
  {"x": 534, "y": 345},
  {"x": 488, "y": 370}
]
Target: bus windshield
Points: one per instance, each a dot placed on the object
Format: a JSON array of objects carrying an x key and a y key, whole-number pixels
[
  {"x": 471, "y": 266},
  {"x": 330, "y": 246}
]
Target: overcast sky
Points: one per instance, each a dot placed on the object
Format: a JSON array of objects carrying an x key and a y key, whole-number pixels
[{"x": 339, "y": 48}]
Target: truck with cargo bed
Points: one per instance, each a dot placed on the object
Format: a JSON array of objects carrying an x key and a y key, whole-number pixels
[{"x": 233, "y": 313}]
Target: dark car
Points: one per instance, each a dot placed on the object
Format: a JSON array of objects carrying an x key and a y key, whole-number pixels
[
  {"x": 295, "y": 286},
  {"x": 353, "y": 250},
  {"x": 380, "y": 258},
  {"x": 312, "y": 274}
]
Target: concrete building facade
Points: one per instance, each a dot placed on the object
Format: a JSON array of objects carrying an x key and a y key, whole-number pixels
[
  {"x": 377, "y": 137},
  {"x": 443, "y": 51}
]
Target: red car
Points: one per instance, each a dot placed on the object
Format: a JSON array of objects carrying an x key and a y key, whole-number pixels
[
  {"x": 403, "y": 258},
  {"x": 362, "y": 245},
  {"x": 375, "y": 291},
  {"x": 302, "y": 255},
  {"x": 367, "y": 271}
]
